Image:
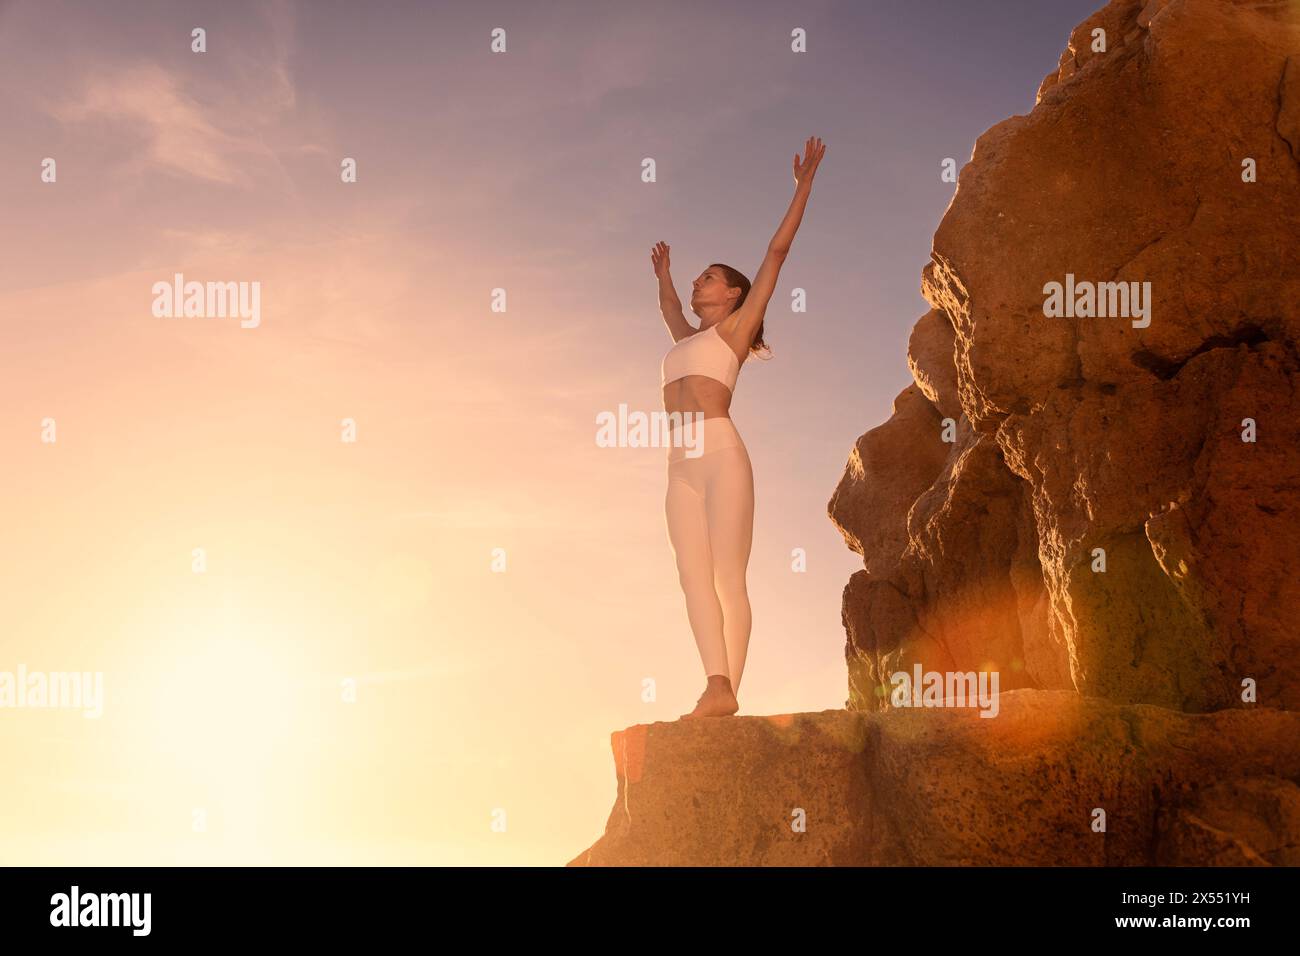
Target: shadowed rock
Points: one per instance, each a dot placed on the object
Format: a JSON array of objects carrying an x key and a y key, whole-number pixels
[
  {"x": 1116, "y": 536},
  {"x": 947, "y": 787}
]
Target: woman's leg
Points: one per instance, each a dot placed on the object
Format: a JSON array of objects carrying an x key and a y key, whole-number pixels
[
  {"x": 688, "y": 532},
  {"x": 729, "y": 506}
]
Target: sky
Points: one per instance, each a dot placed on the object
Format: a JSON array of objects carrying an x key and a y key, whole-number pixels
[{"x": 360, "y": 583}]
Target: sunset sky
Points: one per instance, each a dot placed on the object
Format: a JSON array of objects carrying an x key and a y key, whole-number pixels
[{"x": 481, "y": 695}]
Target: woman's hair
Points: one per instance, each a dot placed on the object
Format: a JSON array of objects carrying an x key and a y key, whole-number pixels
[{"x": 737, "y": 278}]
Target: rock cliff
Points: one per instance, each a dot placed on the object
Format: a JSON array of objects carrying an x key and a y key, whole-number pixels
[{"x": 1112, "y": 508}]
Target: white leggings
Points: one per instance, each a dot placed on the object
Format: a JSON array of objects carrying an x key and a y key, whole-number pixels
[{"x": 710, "y": 510}]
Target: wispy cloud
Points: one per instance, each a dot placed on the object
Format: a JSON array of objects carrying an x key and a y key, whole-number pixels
[{"x": 181, "y": 133}]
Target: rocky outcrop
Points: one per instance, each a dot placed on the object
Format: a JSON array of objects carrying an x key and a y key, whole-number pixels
[
  {"x": 1116, "y": 510},
  {"x": 1055, "y": 779}
]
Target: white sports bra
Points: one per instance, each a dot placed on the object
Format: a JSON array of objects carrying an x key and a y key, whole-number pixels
[{"x": 702, "y": 354}]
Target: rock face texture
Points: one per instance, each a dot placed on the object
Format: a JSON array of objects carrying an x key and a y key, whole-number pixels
[
  {"x": 1113, "y": 508},
  {"x": 1091, "y": 490},
  {"x": 1056, "y": 779}
]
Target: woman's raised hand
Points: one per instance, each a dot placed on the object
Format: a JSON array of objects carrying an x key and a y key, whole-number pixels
[
  {"x": 659, "y": 259},
  {"x": 805, "y": 169}
]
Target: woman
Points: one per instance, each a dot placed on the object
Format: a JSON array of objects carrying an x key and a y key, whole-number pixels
[{"x": 710, "y": 499}]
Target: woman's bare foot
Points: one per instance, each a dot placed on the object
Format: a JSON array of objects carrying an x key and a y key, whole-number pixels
[{"x": 716, "y": 701}]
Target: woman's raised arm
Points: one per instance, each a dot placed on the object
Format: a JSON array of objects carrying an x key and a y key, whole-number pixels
[
  {"x": 746, "y": 320},
  {"x": 669, "y": 304}
]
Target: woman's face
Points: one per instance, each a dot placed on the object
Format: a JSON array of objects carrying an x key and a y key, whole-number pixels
[{"x": 710, "y": 289}]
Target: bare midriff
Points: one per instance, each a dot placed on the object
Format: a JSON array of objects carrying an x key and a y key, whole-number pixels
[{"x": 698, "y": 393}]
